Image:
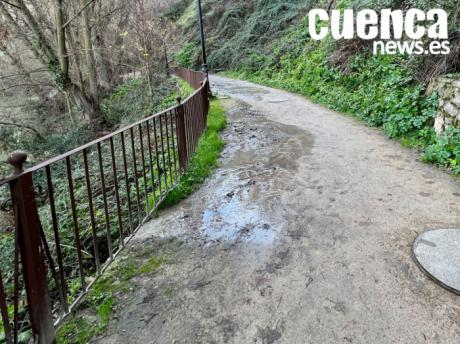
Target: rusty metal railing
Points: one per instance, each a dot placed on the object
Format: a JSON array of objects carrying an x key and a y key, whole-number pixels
[{"x": 74, "y": 213}]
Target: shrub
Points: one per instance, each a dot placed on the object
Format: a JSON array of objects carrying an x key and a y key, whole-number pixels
[
  {"x": 446, "y": 150},
  {"x": 188, "y": 56}
]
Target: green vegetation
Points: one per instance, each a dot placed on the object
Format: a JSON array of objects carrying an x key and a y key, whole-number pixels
[
  {"x": 76, "y": 331},
  {"x": 126, "y": 99},
  {"x": 93, "y": 315},
  {"x": 187, "y": 55},
  {"x": 177, "y": 8},
  {"x": 205, "y": 158},
  {"x": 445, "y": 151},
  {"x": 268, "y": 42},
  {"x": 132, "y": 101}
]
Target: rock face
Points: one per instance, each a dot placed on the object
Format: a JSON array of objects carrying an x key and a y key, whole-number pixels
[{"x": 448, "y": 89}]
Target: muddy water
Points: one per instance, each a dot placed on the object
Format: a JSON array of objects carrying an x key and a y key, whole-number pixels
[
  {"x": 243, "y": 198},
  {"x": 302, "y": 235}
]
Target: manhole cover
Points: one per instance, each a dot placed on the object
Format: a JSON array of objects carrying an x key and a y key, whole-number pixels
[{"x": 438, "y": 255}]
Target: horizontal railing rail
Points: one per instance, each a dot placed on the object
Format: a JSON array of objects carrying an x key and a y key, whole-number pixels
[{"x": 72, "y": 215}]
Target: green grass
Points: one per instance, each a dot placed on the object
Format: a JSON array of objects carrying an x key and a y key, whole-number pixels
[
  {"x": 205, "y": 159},
  {"x": 77, "y": 330},
  {"x": 152, "y": 265},
  {"x": 185, "y": 88},
  {"x": 188, "y": 16},
  {"x": 99, "y": 304}
]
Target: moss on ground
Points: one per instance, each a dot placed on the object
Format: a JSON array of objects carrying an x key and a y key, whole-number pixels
[{"x": 93, "y": 316}]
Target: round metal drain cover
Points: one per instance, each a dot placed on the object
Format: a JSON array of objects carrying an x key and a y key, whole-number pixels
[{"x": 438, "y": 255}]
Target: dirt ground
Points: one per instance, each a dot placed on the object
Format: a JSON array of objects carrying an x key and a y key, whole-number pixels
[{"x": 302, "y": 235}]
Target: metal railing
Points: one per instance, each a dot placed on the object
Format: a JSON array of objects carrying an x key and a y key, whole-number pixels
[{"x": 74, "y": 213}]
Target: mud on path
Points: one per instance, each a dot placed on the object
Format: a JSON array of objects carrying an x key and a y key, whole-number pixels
[{"x": 302, "y": 235}]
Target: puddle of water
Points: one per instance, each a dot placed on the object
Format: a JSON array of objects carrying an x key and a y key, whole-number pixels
[
  {"x": 233, "y": 217},
  {"x": 277, "y": 101},
  {"x": 247, "y": 93},
  {"x": 233, "y": 221}
]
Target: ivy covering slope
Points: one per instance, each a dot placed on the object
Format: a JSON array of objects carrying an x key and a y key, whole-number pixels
[{"x": 267, "y": 41}]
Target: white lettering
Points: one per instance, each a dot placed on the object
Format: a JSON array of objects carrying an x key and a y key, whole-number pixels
[{"x": 322, "y": 16}]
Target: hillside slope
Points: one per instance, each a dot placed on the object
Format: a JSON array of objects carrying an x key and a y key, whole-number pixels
[{"x": 268, "y": 42}]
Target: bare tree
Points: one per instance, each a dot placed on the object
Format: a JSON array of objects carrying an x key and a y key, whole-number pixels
[{"x": 24, "y": 21}]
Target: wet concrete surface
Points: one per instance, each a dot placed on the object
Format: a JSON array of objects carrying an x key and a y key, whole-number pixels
[{"x": 302, "y": 235}]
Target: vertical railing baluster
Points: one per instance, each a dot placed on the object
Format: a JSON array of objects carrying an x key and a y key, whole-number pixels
[
  {"x": 57, "y": 240},
  {"x": 4, "y": 312},
  {"x": 152, "y": 173},
  {"x": 181, "y": 136},
  {"x": 169, "y": 149},
  {"x": 128, "y": 186},
  {"x": 157, "y": 154},
  {"x": 187, "y": 130},
  {"x": 16, "y": 283},
  {"x": 144, "y": 175},
  {"x": 201, "y": 113},
  {"x": 91, "y": 212},
  {"x": 104, "y": 197},
  {"x": 190, "y": 127},
  {"x": 172, "y": 117},
  {"x": 117, "y": 192},
  {"x": 194, "y": 123},
  {"x": 136, "y": 180},
  {"x": 45, "y": 247},
  {"x": 197, "y": 120},
  {"x": 163, "y": 153},
  {"x": 75, "y": 222}
]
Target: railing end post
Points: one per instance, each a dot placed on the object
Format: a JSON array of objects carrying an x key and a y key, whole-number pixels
[
  {"x": 17, "y": 160},
  {"x": 28, "y": 228}
]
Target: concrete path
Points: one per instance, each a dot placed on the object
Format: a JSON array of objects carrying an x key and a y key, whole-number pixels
[{"x": 303, "y": 235}]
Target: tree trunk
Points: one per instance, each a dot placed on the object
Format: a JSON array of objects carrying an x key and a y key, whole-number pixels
[
  {"x": 165, "y": 51},
  {"x": 57, "y": 62},
  {"x": 75, "y": 55},
  {"x": 104, "y": 70},
  {"x": 61, "y": 39},
  {"x": 89, "y": 55},
  {"x": 90, "y": 106}
]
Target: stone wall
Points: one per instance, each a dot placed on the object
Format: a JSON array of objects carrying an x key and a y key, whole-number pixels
[{"x": 448, "y": 89}]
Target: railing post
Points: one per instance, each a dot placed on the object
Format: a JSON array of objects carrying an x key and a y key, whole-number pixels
[
  {"x": 205, "y": 101},
  {"x": 181, "y": 135},
  {"x": 33, "y": 264}
]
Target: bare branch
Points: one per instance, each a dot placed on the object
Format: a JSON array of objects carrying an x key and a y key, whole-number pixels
[
  {"x": 77, "y": 14},
  {"x": 21, "y": 126},
  {"x": 39, "y": 70},
  {"x": 11, "y": 4},
  {"x": 28, "y": 85},
  {"x": 96, "y": 24}
]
